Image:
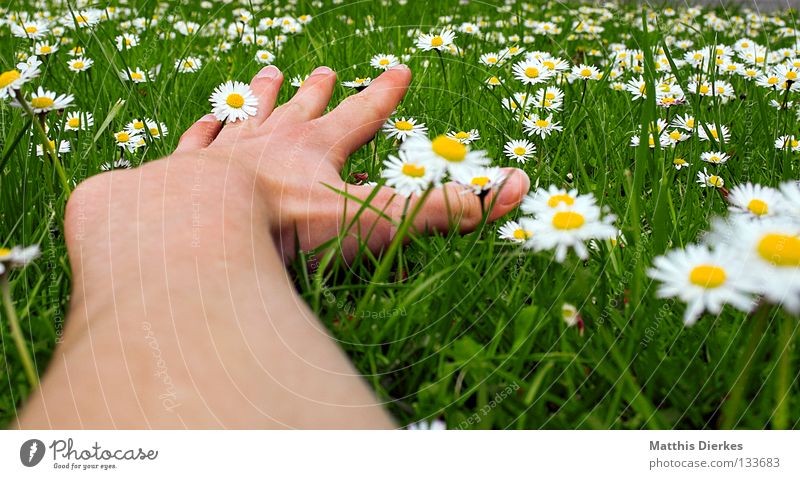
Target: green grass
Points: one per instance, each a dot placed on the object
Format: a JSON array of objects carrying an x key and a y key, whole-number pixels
[{"x": 471, "y": 332}]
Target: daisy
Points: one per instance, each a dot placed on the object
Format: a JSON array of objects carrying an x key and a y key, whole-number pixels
[
  {"x": 410, "y": 176},
  {"x": 709, "y": 130},
  {"x": 63, "y": 146},
  {"x": 490, "y": 59},
  {"x": 709, "y": 181},
  {"x": 512, "y": 231},
  {"x": 384, "y": 62},
  {"x": 135, "y": 75},
  {"x": 126, "y": 40},
  {"x": 788, "y": 142},
  {"x": 298, "y": 81},
  {"x": 435, "y": 41},
  {"x": 12, "y": 80},
  {"x": 492, "y": 82},
  {"x": 464, "y": 136},
  {"x": 585, "y": 72},
  {"x": 17, "y": 257},
  {"x": 445, "y": 152},
  {"x": 481, "y": 179},
  {"x": 82, "y": 18},
  {"x": 755, "y": 200},
  {"x": 78, "y": 120},
  {"x": 128, "y": 141},
  {"x": 43, "y": 49},
  {"x": 542, "y": 201},
  {"x": 233, "y": 101},
  {"x": 714, "y": 157},
  {"x": 80, "y": 64},
  {"x": 770, "y": 249},
  {"x": 680, "y": 163},
  {"x": 188, "y": 64},
  {"x": 43, "y": 101},
  {"x": 118, "y": 164},
  {"x": 568, "y": 226},
  {"x": 704, "y": 279},
  {"x": 264, "y": 57},
  {"x": 520, "y": 150},
  {"x": 359, "y": 83},
  {"x": 402, "y": 128},
  {"x": 33, "y": 30},
  {"x": 531, "y": 72},
  {"x": 187, "y": 28},
  {"x": 541, "y": 126},
  {"x": 685, "y": 122}
]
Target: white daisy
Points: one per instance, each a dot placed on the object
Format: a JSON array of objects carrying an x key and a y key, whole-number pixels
[
  {"x": 465, "y": 137},
  {"x": 233, "y": 101},
  {"x": 80, "y": 64},
  {"x": 384, "y": 62},
  {"x": 788, "y": 142},
  {"x": 536, "y": 125},
  {"x": 78, "y": 120},
  {"x": 714, "y": 157},
  {"x": 709, "y": 181},
  {"x": 188, "y": 64},
  {"x": 402, "y": 128},
  {"x": 449, "y": 154},
  {"x": 435, "y": 41},
  {"x": 512, "y": 231},
  {"x": 17, "y": 257},
  {"x": 756, "y": 200},
  {"x": 12, "y": 80},
  {"x": 265, "y": 57},
  {"x": 704, "y": 279},
  {"x": 410, "y": 176},
  {"x": 358, "y": 83},
  {"x": 481, "y": 179},
  {"x": 520, "y": 150},
  {"x": 63, "y": 146},
  {"x": 43, "y": 101},
  {"x": 531, "y": 72}
]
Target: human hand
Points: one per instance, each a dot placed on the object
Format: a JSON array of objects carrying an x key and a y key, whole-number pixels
[{"x": 294, "y": 154}]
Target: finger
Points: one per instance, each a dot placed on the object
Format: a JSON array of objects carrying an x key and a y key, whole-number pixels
[
  {"x": 199, "y": 135},
  {"x": 310, "y": 100},
  {"x": 356, "y": 120}
]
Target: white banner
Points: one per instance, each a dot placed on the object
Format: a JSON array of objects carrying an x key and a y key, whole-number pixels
[{"x": 334, "y": 454}]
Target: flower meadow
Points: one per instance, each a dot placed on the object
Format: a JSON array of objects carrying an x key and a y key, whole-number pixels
[{"x": 650, "y": 279}]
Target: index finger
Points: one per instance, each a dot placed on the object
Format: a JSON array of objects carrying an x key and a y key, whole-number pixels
[{"x": 356, "y": 120}]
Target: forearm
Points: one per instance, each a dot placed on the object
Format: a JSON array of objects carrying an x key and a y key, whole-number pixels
[{"x": 183, "y": 314}]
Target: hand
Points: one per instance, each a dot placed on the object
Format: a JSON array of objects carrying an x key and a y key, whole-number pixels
[{"x": 293, "y": 152}]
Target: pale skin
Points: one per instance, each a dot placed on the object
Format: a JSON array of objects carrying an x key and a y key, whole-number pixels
[{"x": 183, "y": 314}]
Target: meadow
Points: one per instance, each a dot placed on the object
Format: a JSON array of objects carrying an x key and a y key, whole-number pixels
[{"x": 651, "y": 280}]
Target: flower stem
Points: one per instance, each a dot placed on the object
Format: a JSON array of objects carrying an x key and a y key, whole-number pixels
[
  {"x": 16, "y": 333},
  {"x": 444, "y": 70},
  {"x": 45, "y": 142}
]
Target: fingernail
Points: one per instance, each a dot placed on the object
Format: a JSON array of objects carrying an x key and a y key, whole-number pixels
[
  {"x": 514, "y": 188},
  {"x": 322, "y": 71},
  {"x": 269, "y": 72},
  {"x": 401, "y": 66},
  {"x": 208, "y": 118}
]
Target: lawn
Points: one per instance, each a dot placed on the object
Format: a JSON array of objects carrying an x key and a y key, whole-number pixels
[{"x": 477, "y": 330}]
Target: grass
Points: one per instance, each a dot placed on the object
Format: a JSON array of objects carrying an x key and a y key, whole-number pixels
[{"x": 463, "y": 328}]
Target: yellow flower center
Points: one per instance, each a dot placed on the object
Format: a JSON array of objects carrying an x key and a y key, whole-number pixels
[
  {"x": 462, "y": 135},
  {"x": 568, "y": 220},
  {"x": 675, "y": 135},
  {"x": 556, "y": 200},
  {"x": 780, "y": 249},
  {"x": 123, "y": 137},
  {"x": 188, "y": 64},
  {"x": 235, "y": 100},
  {"x": 520, "y": 150},
  {"x": 42, "y": 102},
  {"x": 78, "y": 65},
  {"x": 791, "y": 75},
  {"x": 522, "y": 234},
  {"x": 136, "y": 76},
  {"x": 708, "y": 276},
  {"x": 678, "y": 161},
  {"x": 45, "y": 49},
  {"x": 74, "y": 122},
  {"x": 542, "y": 123},
  {"x": 704, "y": 89},
  {"x": 481, "y": 181},
  {"x": 138, "y": 125},
  {"x": 494, "y": 81},
  {"x": 772, "y": 80},
  {"x": 4, "y": 251},
  {"x": 586, "y": 72},
  {"x": 715, "y": 180},
  {"x": 437, "y": 41},
  {"x": 403, "y": 125},
  {"x": 794, "y": 143},
  {"x": 758, "y": 207},
  {"x": 714, "y": 159},
  {"x": 532, "y": 72},
  {"x": 81, "y": 19},
  {"x": 154, "y": 131},
  {"x": 414, "y": 171},
  {"x": 690, "y": 123},
  {"x": 491, "y": 60},
  {"x": 449, "y": 149},
  {"x": 9, "y": 77},
  {"x": 31, "y": 29},
  {"x": 384, "y": 62}
]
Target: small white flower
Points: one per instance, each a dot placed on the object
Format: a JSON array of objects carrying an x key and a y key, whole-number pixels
[
  {"x": 409, "y": 175},
  {"x": 435, "y": 41},
  {"x": 402, "y": 128},
  {"x": 512, "y": 231},
  {"x": 714, "y": 157},
  {"x": 519, "y": 150},
  {"x": 233, "y": 101}
]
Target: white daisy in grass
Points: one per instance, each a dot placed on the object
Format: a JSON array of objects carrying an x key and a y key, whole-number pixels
[
  {"x": 493, "y": 81},
  {"x": 585, "y": 73},
  {"x": 298, "y": 80},
  {"x": 402, "y": 128},
  {"x": 136, "y": 75},
  {"x": 119, "y": 164},
  {"x": 554, "y": 64},
  {"x": 77, "y": 51},
  {"x": 770, "y": 249},
  {"x": 265, "y": 57},
  {"x": 685, "y": 122},
  {"x": 17, "y": 257},
  {"x": 568, "y": 226},
  {"x": 519, "y": 150},
  {"x": 188, "y": 64},
  {"x": 384, "y": 61},
  {"x": 756, "y": 200},
  {"x": 43, "y": 101},
  {"x": 43, "y": 49},
  {"x": 702, "y": 278},
  {"x": 543, "y": 201},
  {"x": 481, "y": 179},
  {"x": 512, "y": 51},
  {"x": 706, "y": 180},
  {"x": 12, "y": 80},
  {"x": 233, "y": 101},
  {"x": 637, "y": 88},
  {"x": 680, "y": 163},
  {"x": 491, "y": 59},
  {"x": 677, "y": 135},
  {"x": 435, "y": 41},
  {"x": 82, "y": 18},
  {"x": 358, "y": 83},
  {"x": 709, "y": 130},
  {"x": 411, "y": 175},
  {"x": 125, "y": 139},
  {"x": 531, "y": 72},
  {"x": 187, "y": 28},
  {"x": 550, "y": 98},
  {"x": 714, "y": 157},
  {"x": 541, "y": 126},
  {"x": 79, "y": 64},
  {"x": 465, "y": 137},
  {"x": 787, "y": 142},
  {"x": 32, "y": 29},
  {"x": 78, "y": 121},
  {"x": 305, "y": 19},
  {"x": 155, "y": 129},
  {"x": 513, "y": 231},
  {"x": 126, "y": 40},
  {"x": 62, "y": 146},
  {"x": 445, "y": 152}
]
